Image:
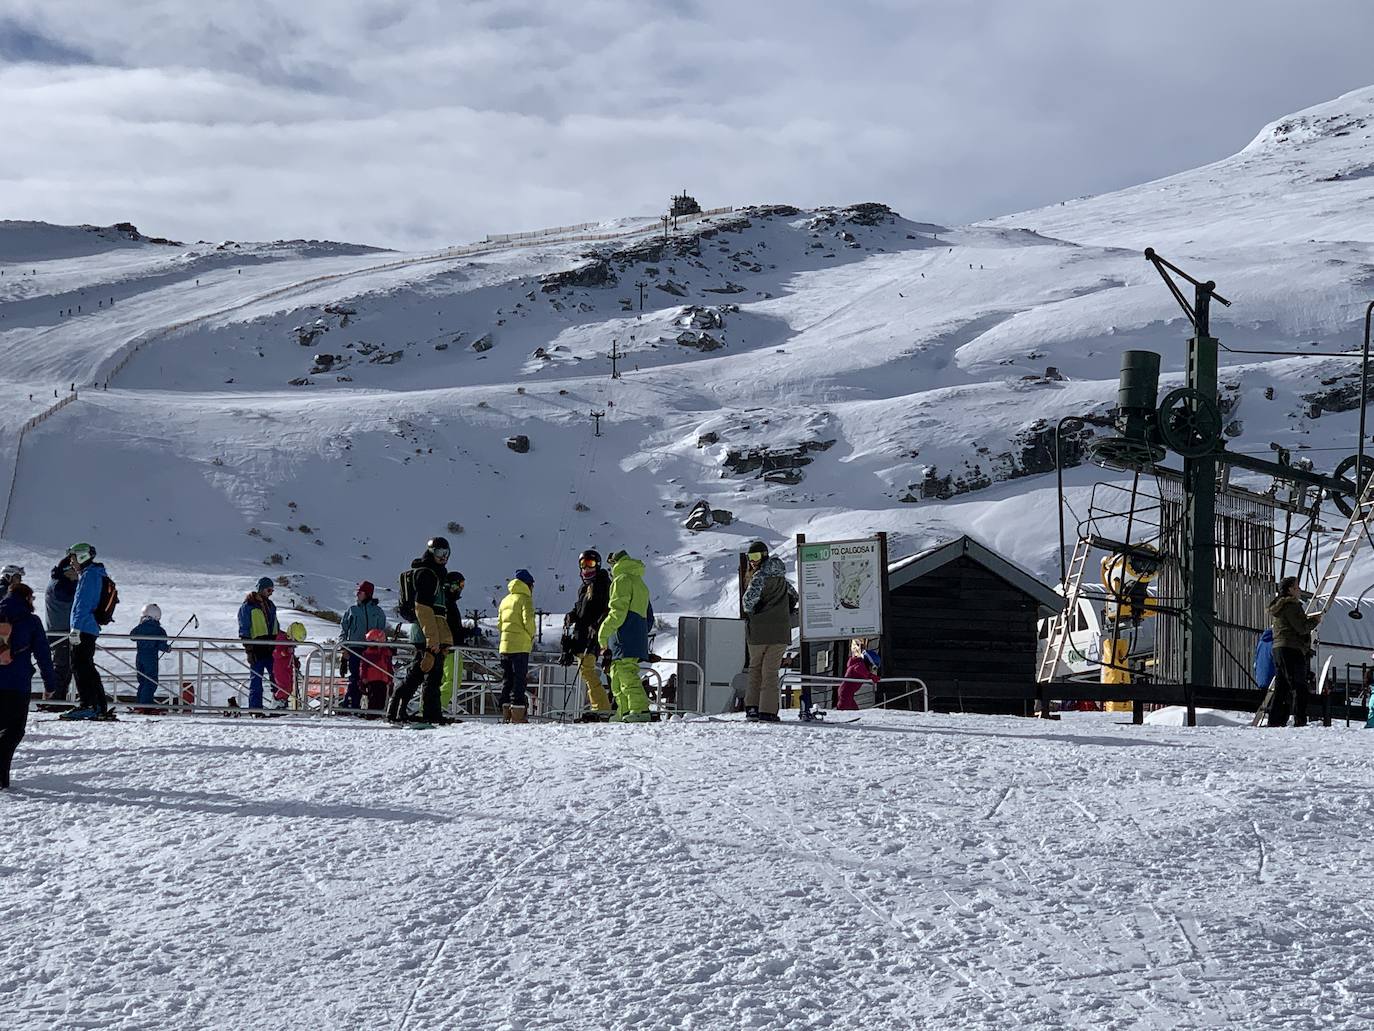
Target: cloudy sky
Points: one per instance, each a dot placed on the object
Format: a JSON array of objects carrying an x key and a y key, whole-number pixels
[{"x": 425, "y": 122}]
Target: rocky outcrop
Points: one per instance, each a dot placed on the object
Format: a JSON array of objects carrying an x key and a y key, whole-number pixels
[
  {"x": 1338, "y": 394},
  {"x": 778, "y": 465},
  {"x": 596, "y": 273},
  {"x": 519, "y": 443},
  {"x": 1031, "y": 453}
]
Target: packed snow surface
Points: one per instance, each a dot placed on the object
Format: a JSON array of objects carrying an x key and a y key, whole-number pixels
[{"x": 905, "y": 871}]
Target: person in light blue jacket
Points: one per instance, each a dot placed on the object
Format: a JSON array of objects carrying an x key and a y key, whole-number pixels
[
  {"x": 366, "y": 615},
  {"x": 151, "y": 643}
]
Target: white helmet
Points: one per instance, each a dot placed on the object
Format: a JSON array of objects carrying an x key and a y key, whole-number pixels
[
  {"x": 152, "y": 611},
  {"x": 12, "y": 571}
]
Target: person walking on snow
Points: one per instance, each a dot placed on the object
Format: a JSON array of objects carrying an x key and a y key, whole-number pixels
[
  {"x": 258, "y": 629},
  {"x": 583, "y": 622},
  {"x": 151, "y": 644},
  {"x": 768, "y": 604},
  {"x": 22, "y": 643},
  {"x": 516, "y": 622},
  {"x": 423, "y": 582},
  {"x": 57, "y": 605},
  {"x": 364, "y": 615},
  {"x": 862, "y": 669},
  {"x": 625, "y": 631},
  {"x": 1292, "y": 645},
  {"x": 86, "y": 603}
]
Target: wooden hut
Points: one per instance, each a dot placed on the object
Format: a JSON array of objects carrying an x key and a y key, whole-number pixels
[{"x": 963, "y": 619}]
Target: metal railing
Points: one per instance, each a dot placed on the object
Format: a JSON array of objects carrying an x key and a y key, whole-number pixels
[
  {"x": 211, "y": 675},
  {"x": 867, "y": 695}
]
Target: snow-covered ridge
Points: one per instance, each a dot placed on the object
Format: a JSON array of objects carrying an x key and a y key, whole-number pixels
[{"x": 837, "y": 371}]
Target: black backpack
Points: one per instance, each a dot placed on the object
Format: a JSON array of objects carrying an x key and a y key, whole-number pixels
[
  {"x": 104, "y": 610},
  {"x": 405, "y": 600}
]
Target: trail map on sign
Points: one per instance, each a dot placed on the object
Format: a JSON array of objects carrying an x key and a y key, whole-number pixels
[{"x": 840, "y": 587}]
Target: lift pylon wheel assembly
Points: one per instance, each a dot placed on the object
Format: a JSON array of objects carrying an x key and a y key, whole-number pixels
[{"x": 1190, "y": 422}]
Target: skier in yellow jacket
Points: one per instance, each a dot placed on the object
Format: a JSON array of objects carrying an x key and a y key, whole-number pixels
[
  {"x": 516, "y": 622},
  {"x": 625, "y": 630}
]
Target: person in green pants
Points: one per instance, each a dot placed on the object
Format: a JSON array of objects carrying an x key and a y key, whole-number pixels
[
  {"x": 625, "y": 631},
  {"x": 453, "y": 661}
]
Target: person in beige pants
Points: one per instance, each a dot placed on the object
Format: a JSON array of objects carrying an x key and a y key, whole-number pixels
[{"x": 769, "y": 601}]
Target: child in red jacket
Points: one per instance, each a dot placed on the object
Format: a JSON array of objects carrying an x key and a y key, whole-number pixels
[
  {"x": 375, "y": 671},
  {"x": 862, "y": 668}
]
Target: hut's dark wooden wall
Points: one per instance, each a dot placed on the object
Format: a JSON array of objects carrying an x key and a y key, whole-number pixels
[{"x": 965, "y": 632}]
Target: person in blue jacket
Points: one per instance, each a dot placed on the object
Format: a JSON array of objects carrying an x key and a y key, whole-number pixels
[
  {"x": 22, "y": 643},
  {"x": 57, "y": 605},
  {"x": 366, "y": 615},
  {"x": 151, "y": 644},
  {"x": 90, "y": 690},
  {"x": 258, "y": 629}
]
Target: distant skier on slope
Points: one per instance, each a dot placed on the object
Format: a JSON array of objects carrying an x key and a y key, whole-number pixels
[
  {"x": 22, "y": 643},
  {"x": 625, "y": 631},
  {"x": 768, "y": 603}
]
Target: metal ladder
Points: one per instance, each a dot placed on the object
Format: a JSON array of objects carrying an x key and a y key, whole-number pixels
[
  {"x": 1059, "y": 624},
  {"x": 1337, "y": 566}
]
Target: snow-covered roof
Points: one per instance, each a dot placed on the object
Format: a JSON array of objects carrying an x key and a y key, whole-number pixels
[{"x": 904, "y": 570}]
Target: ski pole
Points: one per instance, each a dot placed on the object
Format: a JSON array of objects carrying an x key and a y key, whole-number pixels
[{"x": 193, "y": 619}]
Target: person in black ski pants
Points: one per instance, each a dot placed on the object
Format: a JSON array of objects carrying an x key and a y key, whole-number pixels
[
  {"x": 431, "y": 612},
  {"x": 24, "y": 642}
]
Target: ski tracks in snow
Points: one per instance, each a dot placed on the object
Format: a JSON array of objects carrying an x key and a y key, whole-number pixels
[{"x": 915, "y": 871}]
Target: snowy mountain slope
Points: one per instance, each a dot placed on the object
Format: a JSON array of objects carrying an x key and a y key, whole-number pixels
[{"x": 835, "y": 372}]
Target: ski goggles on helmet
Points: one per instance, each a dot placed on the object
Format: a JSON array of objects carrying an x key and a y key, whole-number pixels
[
  {"x": 588, "y": 563},
  {"x": 757, "y": 556},
  {"x": 440, "y": 554}
]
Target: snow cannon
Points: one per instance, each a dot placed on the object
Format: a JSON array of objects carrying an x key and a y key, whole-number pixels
[{"x": 1137, "y": 445}]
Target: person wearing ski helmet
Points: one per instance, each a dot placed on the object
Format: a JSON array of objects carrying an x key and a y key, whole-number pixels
[
  {"x": 22, "y": 643},
  {"x": 57, "y": 605},
  {"x": 426, "y": 576},
  {"x": 582, "y": 623},
  {"x": 151, "y": 644},
  {"x": 453, "y": 661},
  {"x": 258, "y": 630},
  {"x": 768, "y": 603},
  {"x": 516, "y": 622},
  {"x": 363, "y": 615},
  {"x": 10, "y": 574},
  {"x": 90, "y": 689},
  {"x": 625, "y": 631}
]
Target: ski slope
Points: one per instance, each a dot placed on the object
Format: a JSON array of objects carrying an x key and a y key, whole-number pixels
[{"x": 905, "y": 871}]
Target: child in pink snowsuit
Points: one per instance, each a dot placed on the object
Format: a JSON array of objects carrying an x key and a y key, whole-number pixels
[
  {"x": 283, "y": 669},
  {"x": 862, "y": 668}
]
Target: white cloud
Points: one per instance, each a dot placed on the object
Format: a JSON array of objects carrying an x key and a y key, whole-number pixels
[{"x": 428, "y": 122}]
